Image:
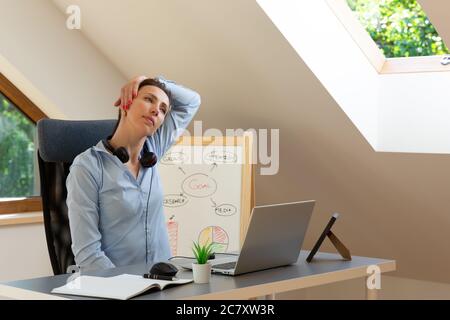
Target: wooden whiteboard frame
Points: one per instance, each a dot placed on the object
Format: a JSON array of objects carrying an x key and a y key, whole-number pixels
[{"x": 247, "y": 173}]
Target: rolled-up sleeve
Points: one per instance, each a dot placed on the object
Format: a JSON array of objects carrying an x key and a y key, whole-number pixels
[
  {"x": 185, "y": 104},
  {"x": 83, "y": 210}
]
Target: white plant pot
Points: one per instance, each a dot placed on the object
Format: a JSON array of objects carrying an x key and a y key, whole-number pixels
[{"x": 201, "y": 272}]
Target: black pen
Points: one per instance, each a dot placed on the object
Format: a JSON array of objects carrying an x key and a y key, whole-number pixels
[{"x": 159, "y": 277}]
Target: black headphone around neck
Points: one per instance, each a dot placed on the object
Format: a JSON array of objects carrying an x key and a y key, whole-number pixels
[{"x": 148, "y": 159}]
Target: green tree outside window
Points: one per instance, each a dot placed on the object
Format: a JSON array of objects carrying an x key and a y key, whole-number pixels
[
  {"x": 400, "y": 28},
  {"x": 16, "y": 152}
]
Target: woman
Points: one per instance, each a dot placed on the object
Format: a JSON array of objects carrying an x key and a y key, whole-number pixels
[{"x": 114, "y": 192}]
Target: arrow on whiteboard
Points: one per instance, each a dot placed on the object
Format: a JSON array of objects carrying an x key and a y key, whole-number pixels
[
  {"x": 213, "y": 166},
  {"x": 181, "y": 169},
  {"x": 214, "y": 204}
]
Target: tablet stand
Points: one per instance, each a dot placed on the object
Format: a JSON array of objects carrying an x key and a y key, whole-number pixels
[
  {"x": 340, "y": 247},
  {"x": 343, "y": 251}
]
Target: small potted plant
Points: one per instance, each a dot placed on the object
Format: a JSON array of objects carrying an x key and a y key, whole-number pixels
[{"x": 201, "y": 269}]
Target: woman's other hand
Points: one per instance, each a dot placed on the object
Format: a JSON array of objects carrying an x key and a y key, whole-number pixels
[{"x": 129, "y": 92}]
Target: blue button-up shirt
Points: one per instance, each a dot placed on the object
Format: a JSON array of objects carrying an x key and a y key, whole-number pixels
[{"x": 117, "y": 219}]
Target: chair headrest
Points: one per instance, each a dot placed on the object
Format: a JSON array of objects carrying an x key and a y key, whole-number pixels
[{"x": 63, "y": 140}]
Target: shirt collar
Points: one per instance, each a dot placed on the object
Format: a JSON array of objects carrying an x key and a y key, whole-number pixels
[{"x": 101, "y": 147}]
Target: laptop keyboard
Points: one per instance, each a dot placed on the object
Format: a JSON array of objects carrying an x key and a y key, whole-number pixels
[{"x": 226, "y": 266}]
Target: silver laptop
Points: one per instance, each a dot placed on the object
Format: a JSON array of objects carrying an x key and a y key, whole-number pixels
[{"x": 274, "y": 238}]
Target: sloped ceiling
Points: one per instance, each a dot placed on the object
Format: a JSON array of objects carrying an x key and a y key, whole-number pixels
[{"x": 392, "y": 205}]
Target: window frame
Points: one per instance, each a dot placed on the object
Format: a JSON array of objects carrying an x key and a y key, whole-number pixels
[
  {"x": 32, "y": 112},
  {"x": 377, "y": 59}
]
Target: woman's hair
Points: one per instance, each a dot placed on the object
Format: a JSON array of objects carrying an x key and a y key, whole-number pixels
[{"x": 147, "y": 82}]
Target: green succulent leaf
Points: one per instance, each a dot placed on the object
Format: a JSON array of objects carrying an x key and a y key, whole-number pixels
[{"x": 202, "y": 252}]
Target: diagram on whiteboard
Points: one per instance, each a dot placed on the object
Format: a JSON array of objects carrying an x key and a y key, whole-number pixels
[
  {"x": 202, "y": 200},
  {"x": 172, "y": 228},
  {"x": 224, "y": 209},
  {"x": 215, "y": 235},
  {"x": 199, "y": 185}
]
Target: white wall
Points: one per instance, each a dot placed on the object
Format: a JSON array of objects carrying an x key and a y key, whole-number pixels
[
  {"x": 414, "y": 113},
  {"x": 327, "y": 48},
  {"x": 23, "y": 252},
  {"x": 64, "y": 67}
]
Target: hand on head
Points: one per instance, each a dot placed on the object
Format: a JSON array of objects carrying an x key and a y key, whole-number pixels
[{"x": 129, "y": 92}]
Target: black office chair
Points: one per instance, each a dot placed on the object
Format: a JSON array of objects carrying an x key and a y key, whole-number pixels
[{"x": 60, "y": 141}]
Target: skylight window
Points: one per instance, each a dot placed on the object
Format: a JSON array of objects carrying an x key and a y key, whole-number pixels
[{"x": 400, "y": 28}]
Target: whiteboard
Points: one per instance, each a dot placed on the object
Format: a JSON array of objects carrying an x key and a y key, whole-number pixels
[{"x": 203, "y": 187}]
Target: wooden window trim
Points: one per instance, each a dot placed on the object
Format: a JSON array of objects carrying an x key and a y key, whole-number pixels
[
  {"x": 374, "y": 55},
  {"x": 414, "y": 65},
  {"x": 359, "y": 35},
  {"x": 22, "y": 205},
  {"x": 30, "y": 110},
  {"x": 20, "y": 100},
  {"x": 21, "y": 218}
]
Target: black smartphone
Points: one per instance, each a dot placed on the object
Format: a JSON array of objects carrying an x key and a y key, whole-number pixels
[{"x": 322, "y": 237}]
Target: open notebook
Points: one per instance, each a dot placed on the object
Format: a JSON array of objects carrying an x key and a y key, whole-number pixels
[{"x": 122, "y": 287}]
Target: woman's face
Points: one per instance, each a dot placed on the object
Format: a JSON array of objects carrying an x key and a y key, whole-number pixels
[{"x": 148, "y": 110}]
